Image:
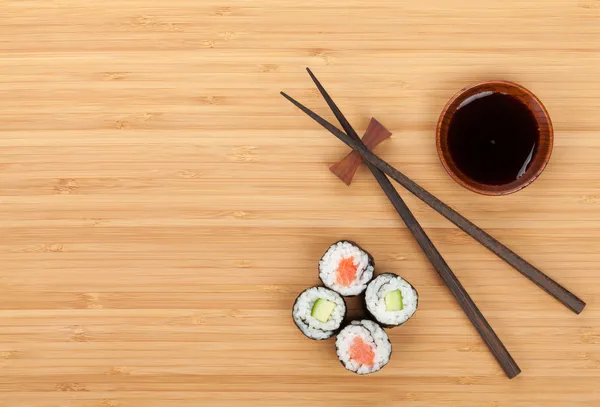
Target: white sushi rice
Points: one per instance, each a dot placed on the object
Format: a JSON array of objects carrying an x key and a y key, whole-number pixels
[
  {"x": 311, "y": 326},
  {"x": 375, "y": 299},
  {"x": 373, "y": 335},
  {"x": 329, "y": 263}
]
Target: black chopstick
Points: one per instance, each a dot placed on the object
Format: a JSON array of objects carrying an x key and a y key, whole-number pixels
[
  {"x": 492, "y": 340},
  {"x": 559, "y": 292}
]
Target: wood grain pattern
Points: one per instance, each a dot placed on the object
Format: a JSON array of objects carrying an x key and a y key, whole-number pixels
[{"x": 161, "y": 205}]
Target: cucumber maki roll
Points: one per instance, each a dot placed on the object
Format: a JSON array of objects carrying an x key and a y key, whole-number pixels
[
  {"x": 391, "y": 300},
  {"x": 363, "y": 347},
  {"x": 346, "y": 268},
  {"x": 319, "y": 312}
]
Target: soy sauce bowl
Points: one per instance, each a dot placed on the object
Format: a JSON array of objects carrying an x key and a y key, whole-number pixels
[{"x": 538, "y": 159}]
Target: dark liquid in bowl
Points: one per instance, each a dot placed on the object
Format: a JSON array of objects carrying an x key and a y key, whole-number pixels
[{"x": 492, "y": 138}]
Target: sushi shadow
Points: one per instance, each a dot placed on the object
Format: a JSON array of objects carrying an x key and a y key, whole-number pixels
[{"x": 355, "y": 309}]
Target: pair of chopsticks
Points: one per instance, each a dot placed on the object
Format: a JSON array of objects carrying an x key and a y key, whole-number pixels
[{"x": 380, "y": 169}]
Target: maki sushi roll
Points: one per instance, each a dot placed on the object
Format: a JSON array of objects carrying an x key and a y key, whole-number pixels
[
  {"x": 391, "y": 300},
  {"x": 363, "y": 347},
  {"x": 319, "y": 312},
  {"x": 346, "y": 268}
]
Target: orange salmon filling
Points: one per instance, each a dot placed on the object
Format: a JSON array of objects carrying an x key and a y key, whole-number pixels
[
  {"x": 362, "y": 352},
  {"x": 346, "y": 272}
]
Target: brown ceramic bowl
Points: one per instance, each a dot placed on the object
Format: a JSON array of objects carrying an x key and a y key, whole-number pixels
[{"x": 539, "y": 159}]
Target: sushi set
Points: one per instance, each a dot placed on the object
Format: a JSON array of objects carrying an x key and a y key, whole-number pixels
[{"x": 347, "y": 270}]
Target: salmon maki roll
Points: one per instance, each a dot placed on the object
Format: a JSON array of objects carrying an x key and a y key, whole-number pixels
[
  {"x": 346, "y": 268},
  {"x": 363, "y": 347}
]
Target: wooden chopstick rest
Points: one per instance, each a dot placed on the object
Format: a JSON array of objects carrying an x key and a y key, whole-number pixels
[{"x": 346, "y": 167}]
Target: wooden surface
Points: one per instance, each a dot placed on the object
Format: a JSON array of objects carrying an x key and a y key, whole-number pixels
[{"x": 161, "y": 204}]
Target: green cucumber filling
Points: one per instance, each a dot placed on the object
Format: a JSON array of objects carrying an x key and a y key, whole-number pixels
[
  {"x": 322, "y": 309},
  {"x": 393, "y": 301}
]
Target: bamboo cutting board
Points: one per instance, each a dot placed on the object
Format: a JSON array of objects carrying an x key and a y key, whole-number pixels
[{"x": 161, "y": 205}]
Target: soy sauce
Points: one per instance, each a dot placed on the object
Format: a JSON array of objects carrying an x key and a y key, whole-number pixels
[{"x": 492, "y": 138}]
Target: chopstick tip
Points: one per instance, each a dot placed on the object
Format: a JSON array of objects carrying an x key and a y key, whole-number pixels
[{"x": 289, "y": 98}]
